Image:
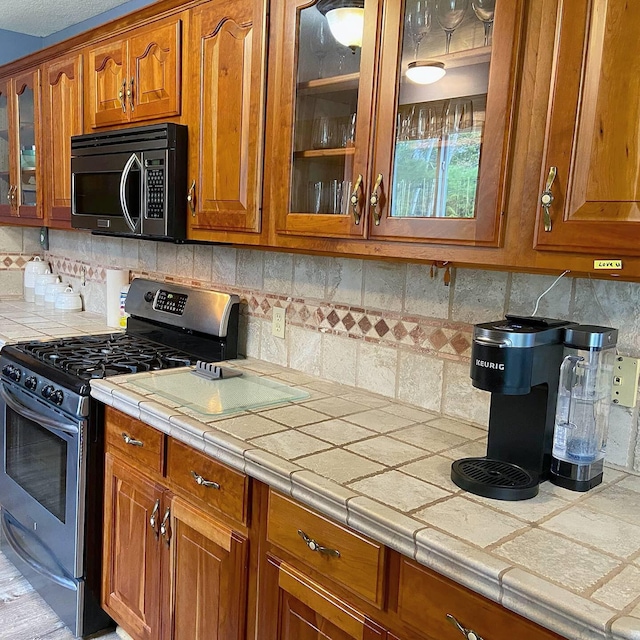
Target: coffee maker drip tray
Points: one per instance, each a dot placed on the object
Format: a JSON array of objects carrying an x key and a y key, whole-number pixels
[{"x": 494, "y": 479}]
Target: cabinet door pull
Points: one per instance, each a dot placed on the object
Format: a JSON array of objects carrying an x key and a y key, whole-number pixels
[
  {"x": 121, "y": 95},
  {"x": 153, "y": 520},
  {"x": 355, "y": 199},
  {"x": 209, "y": 484},
  {"x": 314, "y": 546},
  {"x": 129, "y": 440},
  {"x": 10, "y": 196},
  {"x": 191, "y": 198},
  {"x": 547, "y": 198},
  {"x": 374, "y": 200},
  {"x": 469, "y": 634},
  {"x": 130, "y": 96},
  {"x": 165, "y": 529}
]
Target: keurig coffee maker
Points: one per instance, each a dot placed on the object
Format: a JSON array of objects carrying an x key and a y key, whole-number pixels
[{"x": 518, "y": 360}]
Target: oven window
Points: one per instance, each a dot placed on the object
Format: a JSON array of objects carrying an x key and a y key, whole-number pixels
[
  {"x": 98, "y": 193},
  {"x": 37, "y": 461}
]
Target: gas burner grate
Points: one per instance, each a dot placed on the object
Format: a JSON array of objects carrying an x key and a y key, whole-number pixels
[
  {"x": 98, "y": 356},
  {"x": 494, "y": 479}
]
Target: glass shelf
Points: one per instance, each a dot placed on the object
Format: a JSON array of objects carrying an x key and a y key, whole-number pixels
[{"x": 348, "y": 82}]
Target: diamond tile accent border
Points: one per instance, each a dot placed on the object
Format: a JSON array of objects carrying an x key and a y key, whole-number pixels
[
  {"x": 14, "y": 261},
  {"x": 450, "y": 340}
]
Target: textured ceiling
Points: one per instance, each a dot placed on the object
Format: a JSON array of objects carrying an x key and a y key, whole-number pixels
[{"x": 44, "y": 17}]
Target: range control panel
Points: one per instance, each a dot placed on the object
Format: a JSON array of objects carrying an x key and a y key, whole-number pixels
[{"x": 170, "y": 302}]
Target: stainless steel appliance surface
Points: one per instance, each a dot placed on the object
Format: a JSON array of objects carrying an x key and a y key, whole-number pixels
[
  {"x": 51, "y": 435},
  {"x": 131, "y": 182}
]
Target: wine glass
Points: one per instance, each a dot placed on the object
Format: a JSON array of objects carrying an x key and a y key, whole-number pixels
[
  {"x": 418, "y": 20},
  {"x": 449, "y": 14},
  {"x": 484, "y": 10},
  {"x": 320, "y": 43}
]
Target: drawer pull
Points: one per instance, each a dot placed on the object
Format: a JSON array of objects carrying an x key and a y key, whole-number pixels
[
  {"x": 314, "y": 546},
  {"x": 132, "y": 441},
  {"x": 210, "y": 484},
  {"x": 469, "y": 634}
]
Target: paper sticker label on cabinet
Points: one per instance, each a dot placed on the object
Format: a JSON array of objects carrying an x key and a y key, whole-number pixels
[{"x": 607, "y": 264}]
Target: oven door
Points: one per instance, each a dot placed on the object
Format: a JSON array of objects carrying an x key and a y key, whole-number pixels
[
  {"x": 106, "y": 192},
  {"x": 42, "y": 476}
]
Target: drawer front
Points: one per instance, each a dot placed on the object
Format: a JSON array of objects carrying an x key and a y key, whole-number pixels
[
  {"x": 137, "y": 442},
  {"x": 214, "y": 483},
  {"x": 358, "y": 564},
  {"x": 425, "y": 598}
]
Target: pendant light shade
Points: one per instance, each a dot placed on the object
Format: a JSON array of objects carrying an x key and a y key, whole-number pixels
[
  {"x": 346, "y": 20},
  {"x": 425, "y": 71}
]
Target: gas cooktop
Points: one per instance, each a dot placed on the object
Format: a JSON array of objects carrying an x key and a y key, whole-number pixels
[{"x": 98, "y": 356}]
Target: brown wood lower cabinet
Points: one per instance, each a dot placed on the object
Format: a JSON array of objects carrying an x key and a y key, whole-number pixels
[
  {"x": 295, "y": 607},
  {"x": 231, "y": 559},
  {"x": 172, "y": 570}
]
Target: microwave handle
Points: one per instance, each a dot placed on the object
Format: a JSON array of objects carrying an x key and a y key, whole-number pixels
[{"x": 123, "y": 183}]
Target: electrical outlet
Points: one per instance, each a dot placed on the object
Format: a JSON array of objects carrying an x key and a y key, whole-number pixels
[
  {"x": 625, "y": 381},
  {"x": 277, "y": 324}
]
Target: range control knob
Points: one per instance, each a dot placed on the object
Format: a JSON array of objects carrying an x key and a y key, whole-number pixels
[
  {"x": 31, "y": 383},
  {"x": 6, "y": 369},
  {"x": 48, "y": 391},
  {"x": 57, "y": 397},
  {"x": 14, "y": 373},
  {"x": 149, "y": 296}
]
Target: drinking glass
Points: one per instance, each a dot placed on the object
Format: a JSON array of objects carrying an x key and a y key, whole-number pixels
[
  {"x": 450, "y": 14},
  {"x": 484, "y": 10},
  {"x": 321, "y": 43},
  {"x": 418, "y": 19},
  {"x": 317, "y": 196},
  {"x": 323, "y": 133}
]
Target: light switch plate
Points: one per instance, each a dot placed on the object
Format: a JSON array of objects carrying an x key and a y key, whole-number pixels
[{"x": 625, "y": 381}]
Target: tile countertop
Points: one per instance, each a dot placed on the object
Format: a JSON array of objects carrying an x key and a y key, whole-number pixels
[
  {"x": 20, "y": 320},
  {"x": 569, "y": 561}
]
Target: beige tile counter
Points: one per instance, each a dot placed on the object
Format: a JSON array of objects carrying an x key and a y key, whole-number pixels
[
  {"x": 21, "y": 320},
  {"x": 568, "y": 561}
]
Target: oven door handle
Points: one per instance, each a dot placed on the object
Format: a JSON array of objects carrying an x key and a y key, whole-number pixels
[
  {"x": 123, "y": 186},
  {"x": 13, "y": 542},
  {"x": 36, "y": 417}
]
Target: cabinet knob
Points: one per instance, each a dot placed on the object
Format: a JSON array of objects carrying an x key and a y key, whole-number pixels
[
  {"x": 209, "y": 484},
  {"x": 153, "y": 520},
  {"x": 374, "y": 200},
  {"x": 165, "y": 529},
  {"x": 122, "y": 96},
  {"x": 316, "y": 547},
  {"x": 355, "y": 200},
  {"x": 132, "y": 441},
  {"x": 546, "y": 198},
  {"x": 469, "y": 634},
  {"x": 191, "y": 198},
  {"x": 130, "y": 96}
]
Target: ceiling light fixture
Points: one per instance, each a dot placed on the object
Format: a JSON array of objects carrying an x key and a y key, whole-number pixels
[
  {"x": 425, "y": 71},
  {"x": 346, "y": 20}
]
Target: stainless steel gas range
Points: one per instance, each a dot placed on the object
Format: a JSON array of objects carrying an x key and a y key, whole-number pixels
[{"x": 51, "y": 436}]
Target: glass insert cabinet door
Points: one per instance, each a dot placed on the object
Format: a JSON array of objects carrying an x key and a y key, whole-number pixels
[
  {"x": 443, "y": 116},
  {"x": 26, "y": 144},
  {"x": 323, "y": 111},
  {"x": 5, "y": 147}
]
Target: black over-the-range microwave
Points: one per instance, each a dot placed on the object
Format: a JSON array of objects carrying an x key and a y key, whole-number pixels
[{"x": 131, "y": 182}]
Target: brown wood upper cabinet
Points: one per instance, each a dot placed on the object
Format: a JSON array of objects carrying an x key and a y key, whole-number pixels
[
  {"x": 20, "y": 149},
  {"x": 226, "y": 59},
  {"x": 63, "y": 117},
  {"x": 592, "y": 132},
  {"x": 136, "y": 78},
  {"x": 356, "y": 149}
]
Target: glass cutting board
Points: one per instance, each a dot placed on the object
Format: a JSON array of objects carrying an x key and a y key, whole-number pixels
[{"x": 220, "y": 397}]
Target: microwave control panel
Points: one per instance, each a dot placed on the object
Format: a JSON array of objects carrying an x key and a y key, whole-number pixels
[{"x": 154, "y": 170}]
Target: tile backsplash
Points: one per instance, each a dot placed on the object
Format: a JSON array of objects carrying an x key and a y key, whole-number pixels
[{"x": 400, "y": 330}]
